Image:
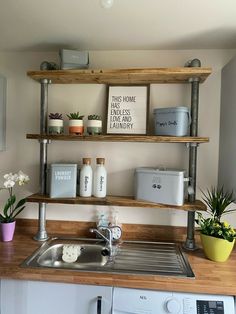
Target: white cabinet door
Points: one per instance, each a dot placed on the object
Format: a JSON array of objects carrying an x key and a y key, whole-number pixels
[{"x": 33, "y": 297}]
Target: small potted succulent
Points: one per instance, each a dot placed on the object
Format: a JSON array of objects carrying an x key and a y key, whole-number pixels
[
  {"x": 76, "y": 124},
  {"x": 217, "y": 236},
  {"x": 55, "y": 123},
  {"x": 94, "y": 125}
]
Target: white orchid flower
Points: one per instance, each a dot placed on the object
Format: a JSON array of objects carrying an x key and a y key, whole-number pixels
[
  {"x": 22, "y": 178},
  {"x": 7, "y": 175},
  {"x": 11, "y": 177},
  {"x": 9, "y": 184},
  {"x": 12, "y": 207}
]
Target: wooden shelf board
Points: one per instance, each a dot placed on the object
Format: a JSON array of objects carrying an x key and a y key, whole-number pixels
[
  {"x": 127, "y": 201},
  {"x": 119, "y": 138},
  {"x": 123, "y": 76}
]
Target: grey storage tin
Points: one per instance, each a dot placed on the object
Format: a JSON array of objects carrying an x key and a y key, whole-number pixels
[
  {"x": 63, "y": 180},
  {"x": 74, "y": 59},
  {"x": 160, "y": 186},
  {"x": 173, "y": 121}
]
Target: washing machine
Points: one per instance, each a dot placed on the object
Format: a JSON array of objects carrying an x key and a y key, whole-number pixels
[{"x": 136, "y": 301}]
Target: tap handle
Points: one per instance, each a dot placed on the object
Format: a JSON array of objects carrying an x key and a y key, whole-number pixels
[{"x": 108, "y": 232}]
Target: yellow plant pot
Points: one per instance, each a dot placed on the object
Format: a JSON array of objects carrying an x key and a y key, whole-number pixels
[{"x": 217, "y": 250}]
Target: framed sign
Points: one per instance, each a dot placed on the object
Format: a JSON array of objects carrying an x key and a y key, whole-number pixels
[{"x": 127, "y": 109}]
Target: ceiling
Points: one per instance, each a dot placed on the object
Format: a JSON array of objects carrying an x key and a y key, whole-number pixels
[{"x": 47, "y": 25}]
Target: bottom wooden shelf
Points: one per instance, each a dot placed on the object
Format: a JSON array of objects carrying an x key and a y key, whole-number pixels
[{"x": 127, "y": 201}]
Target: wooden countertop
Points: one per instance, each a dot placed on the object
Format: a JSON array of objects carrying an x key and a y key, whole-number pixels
[{"x": 210, "y": 277}]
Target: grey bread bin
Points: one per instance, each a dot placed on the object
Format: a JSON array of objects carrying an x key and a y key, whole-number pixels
[
  {"x": 173, "y": 121},
  {"x": 160, "y": 186},
  {"x": 63, "y": 180},
  {"x": 74, "y": 59}
]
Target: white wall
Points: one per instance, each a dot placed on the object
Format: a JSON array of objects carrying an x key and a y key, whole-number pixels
[{"x": 121, "y": 158}]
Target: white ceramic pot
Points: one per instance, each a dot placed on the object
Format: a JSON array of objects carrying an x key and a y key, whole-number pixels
[
  {"x": 94, "y": 127},
  {"x": 55, "y": 126}
]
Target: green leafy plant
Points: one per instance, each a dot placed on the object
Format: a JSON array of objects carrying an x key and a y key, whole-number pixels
[
  {"x": 75, "y": 116},
  {"x": 54, "y": 116},
  {"x": 11, "y": 208},
  {"x": 94, "y": 117},
  {"x": 217, "y": 201}
]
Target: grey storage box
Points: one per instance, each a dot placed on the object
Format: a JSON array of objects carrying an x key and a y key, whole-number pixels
[
  {"x": 174, "y": 121},
  {"x": 160, "y": 186},
  {"x": 63, "y": 180},
  {"x": 74, "y": 59}
]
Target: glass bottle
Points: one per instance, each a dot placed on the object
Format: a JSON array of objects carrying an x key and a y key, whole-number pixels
[
  {"x": 86, "y": 177},
  {"x": 100, "y": 179}
]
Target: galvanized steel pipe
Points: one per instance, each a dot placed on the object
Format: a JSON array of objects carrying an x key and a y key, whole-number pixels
[
  {"x": 42, "y": 233},
  {"x": 190, "y": 240}
]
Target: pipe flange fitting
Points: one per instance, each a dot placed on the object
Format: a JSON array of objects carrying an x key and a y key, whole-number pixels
[{"x": 195, "y": 63}]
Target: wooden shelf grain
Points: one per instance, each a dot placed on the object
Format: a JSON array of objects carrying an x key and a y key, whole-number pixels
[
  {"x": 127, "y": 201},
  {"x": 135, "y": 76},
  {"x": 119, "y": 138}
]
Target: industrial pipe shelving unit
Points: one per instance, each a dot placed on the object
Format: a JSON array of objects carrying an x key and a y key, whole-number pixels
[{"x": 192, "y": 73}]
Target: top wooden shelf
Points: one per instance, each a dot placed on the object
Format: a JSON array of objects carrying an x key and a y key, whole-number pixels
[{"x": 134, "y": 76}]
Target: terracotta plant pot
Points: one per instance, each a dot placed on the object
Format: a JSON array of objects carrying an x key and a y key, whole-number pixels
[
  {"x": 7, "y": 231},
  {"x": 76, "y": 127},
  {"x": 55, "y": 126},
  {"x": 94, "y": 127},
  {"x": 217, "y": 250}
]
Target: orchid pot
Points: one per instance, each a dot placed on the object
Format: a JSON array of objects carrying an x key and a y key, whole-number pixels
[{"x": 7, "y": 230}]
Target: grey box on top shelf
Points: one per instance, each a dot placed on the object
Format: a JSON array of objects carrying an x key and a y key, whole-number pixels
[
  {"x": 63, "y": 180},
  {"x": 173, "y": 121},
  {"x": 74, "y": 59}
]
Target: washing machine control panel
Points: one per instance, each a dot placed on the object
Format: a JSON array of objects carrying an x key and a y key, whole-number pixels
[{"x": 211, "y": 307}]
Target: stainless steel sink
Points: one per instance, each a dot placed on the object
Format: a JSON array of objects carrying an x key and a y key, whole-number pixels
[
  {"x": 131, "y": 257},
  {"x": 50, "y": 254}
]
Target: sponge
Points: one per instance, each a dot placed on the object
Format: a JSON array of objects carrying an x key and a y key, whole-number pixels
[{"x": 70, "y": 253}]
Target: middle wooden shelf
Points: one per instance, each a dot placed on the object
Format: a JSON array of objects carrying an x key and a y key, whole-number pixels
[
  {"x": 120, "y": 138},
  {"x": 125, "y": 201}
]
